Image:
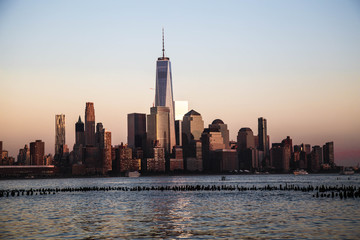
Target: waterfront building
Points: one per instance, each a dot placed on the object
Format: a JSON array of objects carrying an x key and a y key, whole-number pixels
[
  {"x": 247, "y": 153},
  {"x": 1, "y": 148},
  {"x": 315, "y": 158},
  {"x": 225, "y": 160},
  {"x": 280, "y": 155},
  {"x": 164, "y": 94},
  {"x": 211, "y": 140},
  {"x": 24, "y": 156},
  {"x": 262, "y": 136},
  {"x": 328, "y": 153},
  {"x": 192, "y": 126},
  {"x": 219, "y": 125},
  {"x": 158, "y": 128},
  {"x": 105, "y": 146},
  {"x": 306, "y": 148},
  {"x": 37, "y": 152},
  {"x": 91, "y": 156},
  {"x": 288, "y": 141},
  {"x": 124, "y": 161},
  {"x": 157, "y": 163},
  {"x": 98, "y": 134},
  {"x": 136, "y": 130},
  {"x": 79, "y": 133},
  {"x": 90, "y": 124},
  {"x": 59, "y": 133}
]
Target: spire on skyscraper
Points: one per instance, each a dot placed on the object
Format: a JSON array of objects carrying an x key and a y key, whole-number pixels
[{"x": 163, "y": 45}]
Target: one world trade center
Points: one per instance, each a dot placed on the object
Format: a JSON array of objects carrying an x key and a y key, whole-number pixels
[{"x": 164, "y": 91}]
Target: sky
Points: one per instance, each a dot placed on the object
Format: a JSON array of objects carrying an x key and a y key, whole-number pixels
[{"x": 295, "y": 63}]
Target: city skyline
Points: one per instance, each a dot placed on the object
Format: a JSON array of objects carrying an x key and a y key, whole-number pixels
[{"x": 234, "y": 82}]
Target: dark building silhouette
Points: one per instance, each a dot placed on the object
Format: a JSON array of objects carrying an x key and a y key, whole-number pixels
[
  {"x": 178, "y": 132},
  {"x": 137, "y": 131},
  {"x": 98, "y": 134},
  {"x": 90, "y": 124},
  {"x": 79, "y": 132},
  {"x": 211, "y": 140},
  {"x": 262, "y": 136},
  {"x": 37, "y": 152},
  {"x": 280, "y": 155},
  {"x": 247, "y": 153},
  {"x": 315, "y": 159},
  {"x": 328, "y": 153}
]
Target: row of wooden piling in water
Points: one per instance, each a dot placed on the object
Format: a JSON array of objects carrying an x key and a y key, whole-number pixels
[{"x": 323, "y": 191}]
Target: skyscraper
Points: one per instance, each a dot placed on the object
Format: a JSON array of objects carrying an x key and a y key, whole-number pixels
[
  {"x": 59, "y": 133},
  {"x": 79, "y": 133},
  {"x": 37, "y": 150},
  {"x": 158, "y": 128},
  {"x": 137, "y": 130},
  {"x": 262, "y": 136},
  {"x": 164, "y": 92},
  {"x": 328, "y": 153},
  {"x": 90, "y": 124}
]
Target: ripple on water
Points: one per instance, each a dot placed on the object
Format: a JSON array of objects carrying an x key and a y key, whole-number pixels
[{"x": 115, "y": 214}]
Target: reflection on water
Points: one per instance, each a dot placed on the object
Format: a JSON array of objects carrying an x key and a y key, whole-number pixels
[{"x": 150, "y": 214}]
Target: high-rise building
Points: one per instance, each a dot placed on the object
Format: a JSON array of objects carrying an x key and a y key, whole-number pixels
[
  {"x": 262, "y": 135},
  {"x": 137, "y": 130},
  {"x": 79, "y": 133},
  {"x": 59, "y": 133},
  {"x": 316, "y": 158},
  {"x": 158, "y": 128},
  {"x": 280, "y": 155},
  {"x": 211, "y": 140},
  {"x": 105, "y": 146},
  {"x": 37, "y": 150},
  {"x": 164, "y": 93},
  {"x": 245, "y": 139},
  {"x": 192, "y": 126},
  {"x": 24, "y": 156},
  {"x": 99, "y": 134},
  {"x": 247, "y": 154},
  {"x": 178, "y": 132},
  {"x": 328, "y": 153},
  {"x": 219, "y": 125},
  {"x": 90, "y": 124}
]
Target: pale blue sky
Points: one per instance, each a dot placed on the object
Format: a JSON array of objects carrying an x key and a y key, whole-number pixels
[{"x": 296, "y": 63}]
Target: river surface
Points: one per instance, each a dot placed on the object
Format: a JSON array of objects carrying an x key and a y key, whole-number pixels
[{"x": 180, "y": 214}]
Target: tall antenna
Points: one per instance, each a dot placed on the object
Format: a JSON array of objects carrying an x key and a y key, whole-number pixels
[{"x": 163, "y": 49}]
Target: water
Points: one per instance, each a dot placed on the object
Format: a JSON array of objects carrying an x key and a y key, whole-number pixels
[{"x": 169, "y": 214}]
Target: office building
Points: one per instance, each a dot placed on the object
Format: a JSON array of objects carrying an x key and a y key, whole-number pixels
[
  {"x": 90, "y": 124},
  {"x": 328, "y": 153},
  {"x": 262, "y": 136},
  {"x": 247, "y": 153},
  {"x": 79, "y": 133},
  {"x": 158, "y": 128},
  {"x": 164, "y": 94},
  {"x": 137, "y": 130},
  {"x": 219, "y": 125},
  {"x": 192, "y": 126},
  {"x": 37, "y": 152},
  {"x": 59, "y": 133}
]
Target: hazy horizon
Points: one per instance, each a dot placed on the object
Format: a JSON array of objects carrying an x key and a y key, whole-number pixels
[{"x": 296, "y": 63}]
